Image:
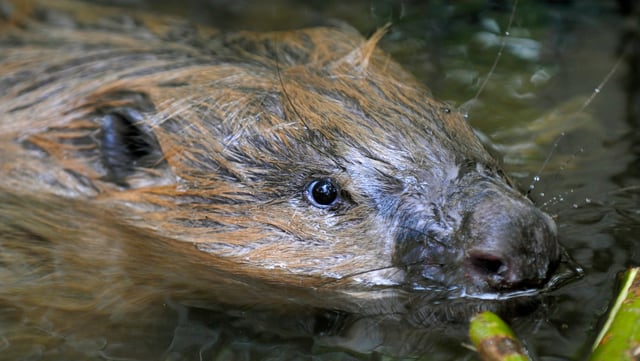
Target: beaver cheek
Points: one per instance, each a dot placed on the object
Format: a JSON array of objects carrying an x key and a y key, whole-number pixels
[{"x": 428, "y": 259}]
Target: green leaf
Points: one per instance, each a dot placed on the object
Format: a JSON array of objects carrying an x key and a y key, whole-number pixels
[{"x": 619, "y": 339}]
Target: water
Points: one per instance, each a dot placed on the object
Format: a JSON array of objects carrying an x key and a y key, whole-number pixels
[
  {"x": 531, "y": 107},
  {"x": 580, "y": 165}
]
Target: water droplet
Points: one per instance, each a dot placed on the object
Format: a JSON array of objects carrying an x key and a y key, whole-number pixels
[
  {"x": 561, "y": 199},
  {"x": 562, "y": 134},
  {"x": 596, "y": 90},
  {"x": 587, "y": 200},
  {"x": 541, "y": 194},
  {"x": 465, "y": 115},
  {"x": 532, "y": 186},
  {"x": 506, "y": 33},
  {"x": 574, "y": 205},
  {"x": 536, "y": 178}
]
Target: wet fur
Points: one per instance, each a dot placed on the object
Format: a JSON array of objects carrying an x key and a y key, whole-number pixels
[{"x": 146, "y": 159}]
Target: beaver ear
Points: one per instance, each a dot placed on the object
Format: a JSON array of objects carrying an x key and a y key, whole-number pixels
[{"x": 128, "y": 146}]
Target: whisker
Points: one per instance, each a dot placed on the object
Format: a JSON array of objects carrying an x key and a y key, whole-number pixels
[
  {"x": 536, "y": 178},
  {"x": 607, "y": 77},
  {"x": 355, "y": 274},
  {"x": 503, "y": 44},
  {"x": 360, "y": 273}
]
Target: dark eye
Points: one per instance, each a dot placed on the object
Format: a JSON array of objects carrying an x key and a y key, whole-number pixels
[{"x": 322, "y": 193}]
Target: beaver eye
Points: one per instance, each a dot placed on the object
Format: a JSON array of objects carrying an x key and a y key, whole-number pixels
[{"x": 322, "y": 193}]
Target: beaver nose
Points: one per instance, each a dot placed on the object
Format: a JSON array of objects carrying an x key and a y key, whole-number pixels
[
  {"x": 518, "y": 251},
  {"x": 513, "y": 247},
  {"x": 510, "y": 272}
]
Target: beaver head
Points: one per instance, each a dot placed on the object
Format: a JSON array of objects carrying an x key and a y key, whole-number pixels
[{"x": 300, "y": 160}]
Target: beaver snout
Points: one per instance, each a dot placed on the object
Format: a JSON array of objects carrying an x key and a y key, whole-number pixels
[
  {"x": 513, "y": 244},
  {"x": 517, "y": 256},
  {"x": 487, "y": 240}
]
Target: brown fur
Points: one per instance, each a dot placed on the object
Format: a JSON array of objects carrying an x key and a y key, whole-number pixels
[{"x": 239, "y": 124}]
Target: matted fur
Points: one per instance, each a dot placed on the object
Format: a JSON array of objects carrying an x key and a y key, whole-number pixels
[{"x": 235, "y": 127}]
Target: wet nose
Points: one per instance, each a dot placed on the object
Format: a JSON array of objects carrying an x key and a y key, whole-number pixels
[
  {"x": 510, "y": 272},
  {"x": 515, "y": 249}
]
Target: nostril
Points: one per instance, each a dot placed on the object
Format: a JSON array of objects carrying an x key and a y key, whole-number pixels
[
  {"x": 498, "y": 272},
  {"x": 504, "y": 272},
  {"x": 487, "y": 264}
]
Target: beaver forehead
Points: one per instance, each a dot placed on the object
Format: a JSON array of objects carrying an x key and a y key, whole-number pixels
[
  {"x": 326, "y": 109},
  {"x": 337, "y": 120}
]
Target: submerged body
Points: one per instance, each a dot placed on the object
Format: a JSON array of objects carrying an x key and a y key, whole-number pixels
[{"x": 145, "y": 159}]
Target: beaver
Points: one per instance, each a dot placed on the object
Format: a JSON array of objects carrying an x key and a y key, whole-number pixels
[{"x": 143, "y": 158}]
